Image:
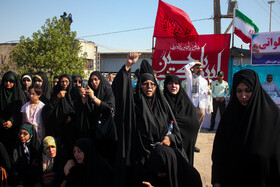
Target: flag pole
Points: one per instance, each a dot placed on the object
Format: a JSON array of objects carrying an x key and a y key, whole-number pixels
[{"x": 232, "y": 39}]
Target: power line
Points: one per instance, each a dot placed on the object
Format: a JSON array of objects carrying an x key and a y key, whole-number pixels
[
  {"x": 130, "y": 30},
  {"x": 273, "y": 11},
  {"x": 266, "y": 11}
]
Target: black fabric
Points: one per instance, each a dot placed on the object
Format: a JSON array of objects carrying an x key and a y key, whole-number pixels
[
  {"x": 56, "y": 112},
  {"x": 185, "y": 114},
  {"x": 246, "y": 149},
  {"x": 23, "y": 171},
  {"x": 126, "y": 126},
  {"x": 142, "y": 121},
  {"x": 94, "y": 171},
  {"x": 88, "y": 115},
  {"x": 145, "y": 67},
  {"x": 5, "y": 160},
  {"x": 46, "y": 88},
  {"x": 10, "y": 110},
  {"x": 179, "y": 173},
  {"x": 153, "y": 117}
]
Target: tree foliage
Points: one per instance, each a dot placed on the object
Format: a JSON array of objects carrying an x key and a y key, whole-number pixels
[{"x": 53, "y": 50}]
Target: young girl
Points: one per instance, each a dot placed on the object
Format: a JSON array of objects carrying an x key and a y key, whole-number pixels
[{"x": 32, "y": 111}]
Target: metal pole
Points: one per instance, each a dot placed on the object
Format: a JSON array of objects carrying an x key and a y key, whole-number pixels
[{"x": 270, "y": 2}]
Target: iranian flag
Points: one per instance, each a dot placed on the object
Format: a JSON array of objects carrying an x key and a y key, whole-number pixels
[{"x": 244, "y": 27}]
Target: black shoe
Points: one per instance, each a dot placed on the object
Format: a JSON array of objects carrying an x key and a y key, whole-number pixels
[
  {"x": 196, "y": 149},
  {"x": 211, "y": 129}
]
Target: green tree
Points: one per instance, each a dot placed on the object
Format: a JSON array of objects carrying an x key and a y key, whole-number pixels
[{"x": 53, "y": 50}]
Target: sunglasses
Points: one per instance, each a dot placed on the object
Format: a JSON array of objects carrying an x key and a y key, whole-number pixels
[
  {"x": 8, "y": 80},
  {"x": 77, "y": 81}
]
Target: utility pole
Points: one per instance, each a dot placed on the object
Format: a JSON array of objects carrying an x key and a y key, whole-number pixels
[
  {"x": 270, "y": 2},
  {"x": 217, "y": 17}
]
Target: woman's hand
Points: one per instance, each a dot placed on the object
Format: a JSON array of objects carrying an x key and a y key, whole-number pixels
[
  {"x": 131, "y": 59},
  {"x": 7, "y": 125},
  {"x": 68, "y": 166},
  {"x": 166, "y": 141},
  {"x": 61, "y": 94},
  {"x": 147, "y": 184},
  {"x": 90, "y": 92}
]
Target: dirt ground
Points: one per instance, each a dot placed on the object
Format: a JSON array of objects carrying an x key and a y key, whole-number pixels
[{"x": 202, "y": 160}]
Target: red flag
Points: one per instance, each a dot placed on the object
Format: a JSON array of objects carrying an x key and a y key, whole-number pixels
[
  {"x": 211, "y": 50},
  {"x": 172, "y": 21}
]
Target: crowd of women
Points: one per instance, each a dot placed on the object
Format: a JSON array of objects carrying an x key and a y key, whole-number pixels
[{"x": 51, "y": 137}]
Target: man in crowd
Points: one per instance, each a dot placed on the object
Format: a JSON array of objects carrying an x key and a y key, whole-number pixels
[
  {"x": 220, "y": 91},
  {"x": 271, "y": 87},
  {"x": 197, "y": 89}
]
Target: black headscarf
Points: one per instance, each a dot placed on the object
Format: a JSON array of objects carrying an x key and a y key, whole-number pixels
[
  {"x": 46, "y": 88},
  {"x": 11, "y": 101},
  {"x": 145, "y": 67},
  {"x": 185, "y": 114},
  {"x": 94, "y": 171},
  {"x": 246, "y": 148}
]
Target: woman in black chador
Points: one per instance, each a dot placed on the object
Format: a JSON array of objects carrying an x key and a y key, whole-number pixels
[
  {"x": 87, "y": 168},
  {"x": 246, "y": 150},
  {"x": 97, "y": 100},
  {"x": 143, "y": 121},
  {"x": 184, "y": 112},
  {"x": 11, "y": 100},
  {"x": 59, "y": 113},
  {"x": 40, "y": 79}
]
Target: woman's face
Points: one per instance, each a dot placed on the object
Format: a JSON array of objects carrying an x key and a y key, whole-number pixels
[
  {"x": 8, "y": 83},
  {"x": 51, "y": 151},
  {"x": 26, "y": 82},
  {"x": 243, "y": 94},
  {"x": 148, "y": 88},
  {"x": 173, "y": 87},
  {"x": 23, "y": 135},
  {"x": 94, "y": 81},
  {"x": 38, "y": 82},
  {"x": 78, "y": 155},
  {"x": 64, "y": 82}
]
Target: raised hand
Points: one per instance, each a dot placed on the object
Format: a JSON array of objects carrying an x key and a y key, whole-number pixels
[{"x": 131, "y": 59}]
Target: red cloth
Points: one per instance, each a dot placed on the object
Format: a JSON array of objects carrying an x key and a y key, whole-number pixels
[
  {"x": 172, "y": 21},
  {"x": 172, "y": 54}
]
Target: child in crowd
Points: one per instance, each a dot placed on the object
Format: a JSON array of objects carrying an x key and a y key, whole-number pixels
[{"x": 32, "y": 111}]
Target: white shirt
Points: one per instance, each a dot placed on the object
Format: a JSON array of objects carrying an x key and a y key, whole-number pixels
[
  {"x": 202, "y": 100},
  {"x": 271, "y": 88},
  {"x": 33, "y": 116}
]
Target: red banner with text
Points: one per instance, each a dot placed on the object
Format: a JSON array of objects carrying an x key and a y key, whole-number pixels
[{"x": 173, "y": 54}]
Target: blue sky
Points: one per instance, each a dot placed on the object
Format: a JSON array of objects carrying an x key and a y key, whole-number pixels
[{"x": 92, "y": 17}]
